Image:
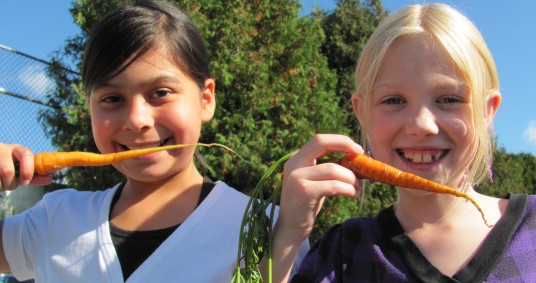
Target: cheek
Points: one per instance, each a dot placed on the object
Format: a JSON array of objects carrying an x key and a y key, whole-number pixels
[
  {"x": 382, "y": 131},
  {"x": 184, "y": 120},
  {"x": 101, "y": 128},
  {"x": 459, "y": 129},
  {"x": 462, "y": 130},
  {"x": 464, "y": 136},
  {"x": 382, "y": 128}
]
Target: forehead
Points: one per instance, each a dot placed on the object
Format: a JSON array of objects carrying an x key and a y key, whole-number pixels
[
  {"x": 421, "y": 50},
  {"x": 154, "y": 65},
  {"x": 417, "y": 57}
]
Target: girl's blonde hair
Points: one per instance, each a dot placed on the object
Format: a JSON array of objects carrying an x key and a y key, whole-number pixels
[{"x": 466, "y": 48}]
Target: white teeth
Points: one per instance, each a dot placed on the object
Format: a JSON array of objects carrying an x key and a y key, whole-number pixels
[
  {"x": 132, "y": 147},
  {"x": 424, "y": 157}
]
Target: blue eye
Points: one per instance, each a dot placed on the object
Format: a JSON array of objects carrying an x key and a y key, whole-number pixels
[
  {"x": 450, "y": 100},
  {"x": 393, "y": 101}
]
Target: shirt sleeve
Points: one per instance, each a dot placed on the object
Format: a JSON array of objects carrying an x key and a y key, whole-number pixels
[{"x": 20, "y": 237}]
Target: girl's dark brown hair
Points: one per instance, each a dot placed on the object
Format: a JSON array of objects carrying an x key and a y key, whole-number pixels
[{"x": 130, "y": 30}]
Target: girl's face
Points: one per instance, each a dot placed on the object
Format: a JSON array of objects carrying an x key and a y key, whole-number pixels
[
  {"x": 151, "y": 103},
  {"x": 421, "y": 114}
]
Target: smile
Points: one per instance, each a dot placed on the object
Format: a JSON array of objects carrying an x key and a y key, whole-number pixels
[
  {"x": 422, "y": 156},
  {"x": 147, "y": 145}
]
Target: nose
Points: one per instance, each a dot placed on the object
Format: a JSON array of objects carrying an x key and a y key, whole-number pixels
[
  {"x": 138, "y": 116},
  {"x": 422, "y": 123}
]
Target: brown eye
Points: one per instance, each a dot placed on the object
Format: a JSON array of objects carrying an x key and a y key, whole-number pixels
[
  {"x": 161, "y": 93},
  {"x": 112, "y": 99}
]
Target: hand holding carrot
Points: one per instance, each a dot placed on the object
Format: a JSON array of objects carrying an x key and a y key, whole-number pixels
[
  {"x": 305, "y": 184},
  {"x": 11, "y": 153}
]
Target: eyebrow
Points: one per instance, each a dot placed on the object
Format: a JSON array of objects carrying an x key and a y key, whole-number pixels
[{"x": 159, "y": 79}]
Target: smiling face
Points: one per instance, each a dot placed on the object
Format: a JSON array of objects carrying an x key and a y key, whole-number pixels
[
  {"x": 151, "y": 103},
  {"x": 420, "y": 112}
]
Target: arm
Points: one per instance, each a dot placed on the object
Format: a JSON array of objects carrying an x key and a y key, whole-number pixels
[
  {"x": 9, "y": 153},
  {"x": 305, "y": 185}
]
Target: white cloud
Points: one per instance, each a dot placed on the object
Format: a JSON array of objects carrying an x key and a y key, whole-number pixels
[
  {"x": 530, "y": 133},
  {"x": 35, "y": 78}
]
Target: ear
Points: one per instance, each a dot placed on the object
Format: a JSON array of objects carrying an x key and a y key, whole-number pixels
[
  {"x": 492, "y": 105},
  {"x": 208, "y": 100},
  {"x": 357, "y": 104}
]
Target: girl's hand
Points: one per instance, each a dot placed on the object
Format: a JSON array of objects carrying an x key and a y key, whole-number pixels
[
  {"x": 11, "y": 153},
  {"x": 305, "y": 184}
]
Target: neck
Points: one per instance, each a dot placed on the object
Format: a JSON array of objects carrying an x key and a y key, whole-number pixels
[
  {"x": 159, "y": 204},
  {"x": 416, "y": 209},
  {"x": 170, "y": 186}
]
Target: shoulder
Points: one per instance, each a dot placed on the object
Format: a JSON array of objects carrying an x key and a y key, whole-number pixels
[
  {"x": 531, "y": 201},
  {"x": 69, "y": 202},
  {"x": 222, "y": 190},
  {"x": 225, "y": 201},
  {"x": 73, "y": 196},
  {"x": 350, "y": 234},
  {"x": 520, "y": 214},
  {"x": 70, "y": 193},
  {"x": 530, "y": 208},
  {"x": 341, "y": 245},
  {"x": 523, "y": 202}
]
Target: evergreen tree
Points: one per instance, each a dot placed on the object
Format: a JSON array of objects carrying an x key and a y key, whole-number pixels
[{"x": 347, "y": 29}]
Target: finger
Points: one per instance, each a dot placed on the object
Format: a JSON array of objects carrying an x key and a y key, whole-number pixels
[
  {"x": 7, "y": 175},
  {"x": 330, "y": 188},
  {"x": 319, "y": 146},
  {"x": 9, "y": 154},
  {"x": 306, "y": 187},
  {"x": 328, "y": 171},
  {"x": 26, "y": 172},
  {"x": 41, "y": 180},
  {"x": 25, "y": 159}
]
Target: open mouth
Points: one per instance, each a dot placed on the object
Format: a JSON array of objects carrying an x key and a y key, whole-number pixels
[
  {"x": 422, "y": 156},
  {"x": 147, "y": 145}
]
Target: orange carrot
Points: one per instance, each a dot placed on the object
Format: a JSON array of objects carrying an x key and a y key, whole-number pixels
[
  {"x": 365, "y": 167},
  {"x": 49, "y": 162}
]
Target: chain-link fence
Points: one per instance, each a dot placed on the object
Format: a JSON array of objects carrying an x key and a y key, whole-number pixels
[{"x": 24, "y": 84}]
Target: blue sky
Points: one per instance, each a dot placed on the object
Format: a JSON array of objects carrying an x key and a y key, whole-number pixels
[{"x": 39, "y": 27}]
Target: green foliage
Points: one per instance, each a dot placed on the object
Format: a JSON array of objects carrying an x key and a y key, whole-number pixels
[
  {"x": 274, "y": 88},
  {"x": 347, "y": 30},
  {"x": 512, "y": 173}
]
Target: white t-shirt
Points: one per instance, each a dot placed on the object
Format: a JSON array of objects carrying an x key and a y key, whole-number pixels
[{"x": 66, "y": 238}]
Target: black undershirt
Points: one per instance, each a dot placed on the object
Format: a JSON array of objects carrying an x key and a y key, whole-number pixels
[{"x": 134, "y": 247}]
